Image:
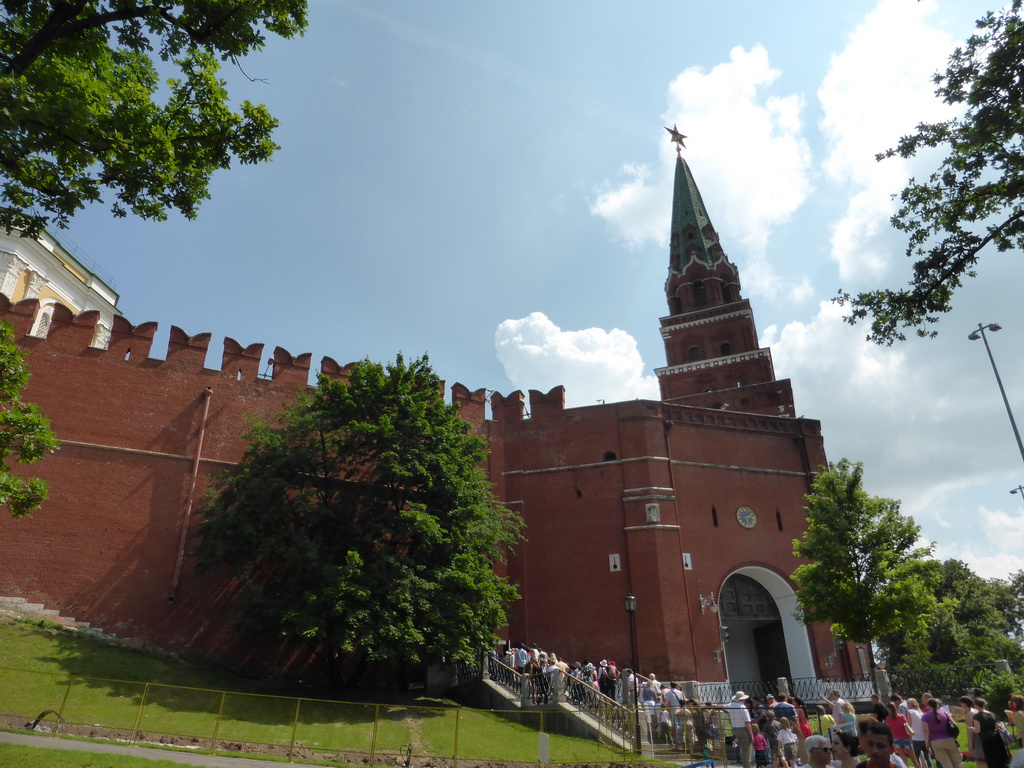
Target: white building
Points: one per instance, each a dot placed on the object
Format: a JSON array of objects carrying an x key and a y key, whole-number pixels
[{"x": 44, "y": 269}]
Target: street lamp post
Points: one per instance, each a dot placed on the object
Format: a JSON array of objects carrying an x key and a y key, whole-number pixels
[
  {"x": 980, "y": 334},
  {"x": 630, "y": 603},
  {"x": 1019, "y": 489}
]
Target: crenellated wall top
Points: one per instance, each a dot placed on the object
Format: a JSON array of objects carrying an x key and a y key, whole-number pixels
[{"x": 85, "y": 335}]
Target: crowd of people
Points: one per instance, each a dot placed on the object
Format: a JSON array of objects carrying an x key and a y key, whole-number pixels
[
  {"x": 577, "y": 678},
  {"x": 916, "y": 732},
  {"x": 776, "y": 732},
  {"x": 875, "y": 741}
]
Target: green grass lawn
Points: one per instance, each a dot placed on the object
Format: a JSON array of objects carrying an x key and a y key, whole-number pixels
[
  {"x": 99, "y": 685},
  {"x": 41, "y": 757}
]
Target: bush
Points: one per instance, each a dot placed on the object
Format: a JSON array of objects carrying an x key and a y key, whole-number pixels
[{"x": 997, "y": 687}]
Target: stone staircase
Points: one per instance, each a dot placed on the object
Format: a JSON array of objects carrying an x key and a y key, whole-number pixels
[{"x": 20, "y": 606}]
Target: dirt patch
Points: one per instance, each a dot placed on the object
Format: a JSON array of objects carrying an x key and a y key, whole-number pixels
[{"x": 298, "y": 753}]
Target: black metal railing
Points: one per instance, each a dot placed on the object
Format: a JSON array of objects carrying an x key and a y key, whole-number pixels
[
  {"x": 462, "y": 672},
  {"x": 944, "y": 682},
  {"x": 605, "y": 710},
  {"x": 502, "y": 674},
  {"x": 850, "y": 687}
]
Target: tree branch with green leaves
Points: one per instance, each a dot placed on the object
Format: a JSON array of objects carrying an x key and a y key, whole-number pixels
[
  {"x": 25, "y": 434},
  {"x": 84, "y": 114},
  {"x": 973, "y": 202}
]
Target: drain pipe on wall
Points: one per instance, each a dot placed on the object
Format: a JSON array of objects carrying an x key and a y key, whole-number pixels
[{"x": 186, "y": 516}]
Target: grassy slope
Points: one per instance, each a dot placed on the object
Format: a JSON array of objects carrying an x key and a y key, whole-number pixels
[
  {"x": 37, "y": 658},
  {"x": 39, "y": 646}
]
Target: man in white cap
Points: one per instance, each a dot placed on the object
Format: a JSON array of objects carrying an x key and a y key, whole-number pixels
[
  {"x": 742, "y": 731},
  {"x": 602, "y": 679}
]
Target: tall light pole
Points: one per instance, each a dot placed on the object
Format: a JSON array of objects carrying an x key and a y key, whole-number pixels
[
  {"x": 630, "y": 603},
  {"x": 980, "y": 334},
  {"x": 1019, "y": 489}
]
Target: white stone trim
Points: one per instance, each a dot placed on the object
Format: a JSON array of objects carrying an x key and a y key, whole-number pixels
[
  {"x": 36, "y": 283},
  {"x": 714, "y": 318},
  {"x": 713, "y": 362},
  {"x": 11, "y": 267}
]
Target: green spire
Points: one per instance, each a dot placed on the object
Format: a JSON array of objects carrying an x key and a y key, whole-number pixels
[{"x": 693, "y": 236}]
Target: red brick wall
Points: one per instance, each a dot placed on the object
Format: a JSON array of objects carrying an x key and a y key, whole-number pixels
[
  {"x": 104, "y": 547},
  {"x": 582, "y": 479}
]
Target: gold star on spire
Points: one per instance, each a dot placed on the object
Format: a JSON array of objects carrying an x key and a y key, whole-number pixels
[{"x": 677, "y": 138}]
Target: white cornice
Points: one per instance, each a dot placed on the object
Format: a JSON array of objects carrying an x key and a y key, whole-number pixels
[
  {"x": 746, "y": 312},
  {"x": 713, "y": 362}
]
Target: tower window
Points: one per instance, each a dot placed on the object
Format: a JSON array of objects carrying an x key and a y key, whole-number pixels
[
  {"x": 609, "y": 456},
  {"x": 676, "y": 305},
  {"x": 726, "y": 349},
  {"x": 693, "y": 354},
  {"x": 700, "y": 295},
  {"x": 714, "y": 516},
  {"x": 778, "y": 519}
]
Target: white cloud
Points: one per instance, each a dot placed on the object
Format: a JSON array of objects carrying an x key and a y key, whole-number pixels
[
  {"x": 925, "y": 417},
  {"x": 592, "y": 364},
  {"x": 877, "y": 89},
  {"x": 862, "y": 241},
  {"x": 636, "y": 208},
  {"x": 753, "y": 166},
  {"x": 990, "y": 563}
]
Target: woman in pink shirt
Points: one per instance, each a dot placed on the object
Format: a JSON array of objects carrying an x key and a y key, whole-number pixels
[{"x": 901, "y": 735}]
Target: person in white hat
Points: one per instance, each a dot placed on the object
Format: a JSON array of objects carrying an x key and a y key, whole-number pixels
[{"x": 742, "y": 731}]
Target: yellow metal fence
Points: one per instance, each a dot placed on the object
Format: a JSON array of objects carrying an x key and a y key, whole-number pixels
[{"x": 293, "y": 728}]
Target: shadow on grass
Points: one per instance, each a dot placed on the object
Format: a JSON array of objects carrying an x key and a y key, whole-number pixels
[{"x": 92, "y": 684}]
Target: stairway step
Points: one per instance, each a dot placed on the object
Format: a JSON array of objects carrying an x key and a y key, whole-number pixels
[{"x": 23, "y": 606}]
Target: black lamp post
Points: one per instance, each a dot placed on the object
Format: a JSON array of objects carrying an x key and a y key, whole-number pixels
[
  {"x": 630, "y": 603},
  {"x": 980, "y": 334}
]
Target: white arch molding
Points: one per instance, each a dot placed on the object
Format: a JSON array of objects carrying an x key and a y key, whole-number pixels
[{"x": 798, "y": 644}]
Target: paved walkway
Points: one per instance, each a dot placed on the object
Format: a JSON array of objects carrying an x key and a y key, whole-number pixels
[{"x": 186, "y": 758}]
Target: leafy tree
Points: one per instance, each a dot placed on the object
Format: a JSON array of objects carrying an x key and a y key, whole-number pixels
[
  {"x": 867, "y": 573},
  {"x": 85, "y": 106},
  {"x": 976, "y": 197},
  {"x": 25, "y": 435},
  {"x": 363, "y": 522},
  {"x": 976, "y": 621},
  {"x": 997, "y": 687},
  {"x": 1016, "y": 582}
]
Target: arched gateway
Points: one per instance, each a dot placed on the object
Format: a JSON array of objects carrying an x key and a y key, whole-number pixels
[{"x": 764, "y": 638}]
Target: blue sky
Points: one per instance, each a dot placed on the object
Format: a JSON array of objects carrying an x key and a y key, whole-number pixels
[{"x": 490, "y": 183}]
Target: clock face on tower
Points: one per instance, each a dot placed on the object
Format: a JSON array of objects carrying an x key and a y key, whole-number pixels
[{"x": 746, "y": 517}]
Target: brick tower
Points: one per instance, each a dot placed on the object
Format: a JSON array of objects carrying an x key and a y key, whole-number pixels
[{"x": 713, "y": 358}]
